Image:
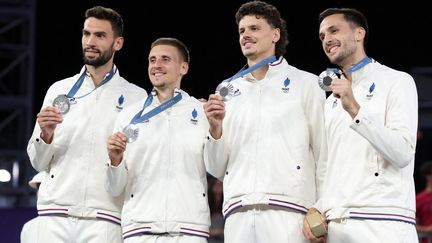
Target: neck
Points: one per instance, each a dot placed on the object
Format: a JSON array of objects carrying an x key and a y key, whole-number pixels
[
  {"x": 354, "y": 59},
  {"x": 98, "y": 73},
  {"x": 164, "y": 94},
  {"x": 349, "y": 63},
  {"x": 259, "y": 73}
]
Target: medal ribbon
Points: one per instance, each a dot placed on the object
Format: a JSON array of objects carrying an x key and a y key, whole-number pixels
[
  {"x": 80, "y": 81},
  {"x": 138, "y": 118},
  {"x": 244, "y": 71},
  {"x": 354, "y": 67}
]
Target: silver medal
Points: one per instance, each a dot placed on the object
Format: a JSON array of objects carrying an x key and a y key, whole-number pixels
[
  {"x": 226, "y": 90},
  {"x": 131, "y": 132},
  {"x": 62, "y": 103},
  {"x": 325, "y": 79}
]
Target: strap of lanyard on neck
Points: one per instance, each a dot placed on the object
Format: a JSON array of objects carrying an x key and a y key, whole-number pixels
[
  {"x": 80, "y": 81},
  {"x": 244, "y": 71},
  {"x": 138, "y": 118}
]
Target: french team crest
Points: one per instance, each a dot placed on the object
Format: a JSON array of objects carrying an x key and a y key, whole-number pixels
[
  {"x": 371, "y": 90},
  {"x": 286, "y": 84},
  {"x": 194, "y": 119},
  {"x": 120, "y": 102}
]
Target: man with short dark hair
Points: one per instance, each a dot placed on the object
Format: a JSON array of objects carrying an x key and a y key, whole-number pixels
[{"x": 68, "y": 141}]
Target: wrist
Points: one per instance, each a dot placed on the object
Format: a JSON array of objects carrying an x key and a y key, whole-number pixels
[
  {"x": 216, "y": 133},
  {"x": 46, "y": 138},
  {"x": 115, "y": 162}
]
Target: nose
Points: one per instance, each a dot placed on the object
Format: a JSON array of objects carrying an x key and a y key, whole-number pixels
[
  {"x": 90, "y": 40},
  {"x": 157, "y": 62},
  {"x": 246, "y": 34},
  {"x": 327, "y": 39}
]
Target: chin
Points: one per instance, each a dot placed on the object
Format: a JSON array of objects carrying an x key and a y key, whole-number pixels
[
  {"x": 332, "y": 58},
  {"x": 248, "y": 54}
]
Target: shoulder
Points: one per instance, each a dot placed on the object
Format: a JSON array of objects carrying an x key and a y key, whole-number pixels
[
  {"x": 393, "y": 74},
  {"x": 305, "y": 77},
  {"x": 132, "y": 109},
  {"x": 66, "y": 82},
  {"x": 131, "y": 88},
  {"x": 194, "y": 102}
]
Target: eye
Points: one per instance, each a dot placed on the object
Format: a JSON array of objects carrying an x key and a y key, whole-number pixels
[{"x": 100, "y": 35}]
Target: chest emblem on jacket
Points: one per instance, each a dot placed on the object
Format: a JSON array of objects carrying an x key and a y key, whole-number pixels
[
  {"x": 194, "y": 119},
  {"x": 371, "y": 90},
  {"x": 120, "y": 102},
  {"x": 286, "y": 84}
]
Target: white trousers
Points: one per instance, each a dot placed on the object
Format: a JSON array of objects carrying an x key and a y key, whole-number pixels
[
  {"x": 264, "y": 224},
  {"x": 371, "y": 231},
  {"x": 165, "y": 239},
  {"x": 61, "y": 229}
]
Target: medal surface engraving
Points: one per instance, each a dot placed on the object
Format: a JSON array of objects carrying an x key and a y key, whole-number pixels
[
  {"x": 325, "y": 79},
  {"x": 131, "y": 132},
  {"x": 62, "y": 103},
  {"x": 226, "y": 90}
]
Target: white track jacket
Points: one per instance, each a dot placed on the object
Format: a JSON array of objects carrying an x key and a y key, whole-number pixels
[
  {"x": 272, "y": 135},
  {"x": 371, "y": 157},
  {"x": 162, "y": 176},
  {"x": 76, "y": 158}
]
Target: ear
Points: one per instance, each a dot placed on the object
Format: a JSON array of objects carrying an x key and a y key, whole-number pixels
[
  {"x": 118, "y": 43},
  {"x": 360, "y": 34},
  {"x": 184, "y": 68},
  {"x": 276, "y": 35}
]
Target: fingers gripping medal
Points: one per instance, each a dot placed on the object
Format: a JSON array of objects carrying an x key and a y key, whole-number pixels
[
  {"x": 226, "y": 90},
  {"x": 325, "y": 79},
  {"x": 62, "y": 103},
  {"x": 131, "y": 132}
]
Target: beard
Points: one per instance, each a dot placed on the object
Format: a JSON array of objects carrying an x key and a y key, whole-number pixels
[
  {"x": 98, "y": 61},
  {"x": 344, "y": 55}
]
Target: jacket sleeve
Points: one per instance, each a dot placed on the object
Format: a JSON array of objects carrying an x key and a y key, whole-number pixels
[
  {"x": 40, "y": 153},
  {"x": 116, "y": 178},
  {"x": 395, "y": 140},
  {"x": 216, "y": 156},
  {"x": 314, "y": 109}
]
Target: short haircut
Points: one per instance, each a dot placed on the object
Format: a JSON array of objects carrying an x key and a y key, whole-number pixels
[
  {"x": 107, "y": 14},
  {"x": 351, "y": 15},
  {"x": 272, "y": 15},
  {"x": 180, "y": 46}
]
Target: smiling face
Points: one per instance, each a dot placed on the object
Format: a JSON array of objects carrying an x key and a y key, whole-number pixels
[
  {"x": 257, "y": 37},
  {"x": 342, "y": 42},
  {"x": 98, "y": 42},
  {"x": 166, "y": 67}
]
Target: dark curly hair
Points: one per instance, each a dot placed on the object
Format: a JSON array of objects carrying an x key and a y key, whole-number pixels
[{"x": 271, "y": 14}]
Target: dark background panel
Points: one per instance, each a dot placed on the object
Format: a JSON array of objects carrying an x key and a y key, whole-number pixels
[{"x": 397, "y": 37}]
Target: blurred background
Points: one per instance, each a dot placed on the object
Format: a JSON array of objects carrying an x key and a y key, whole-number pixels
[{"x": 40, "y": 43}]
